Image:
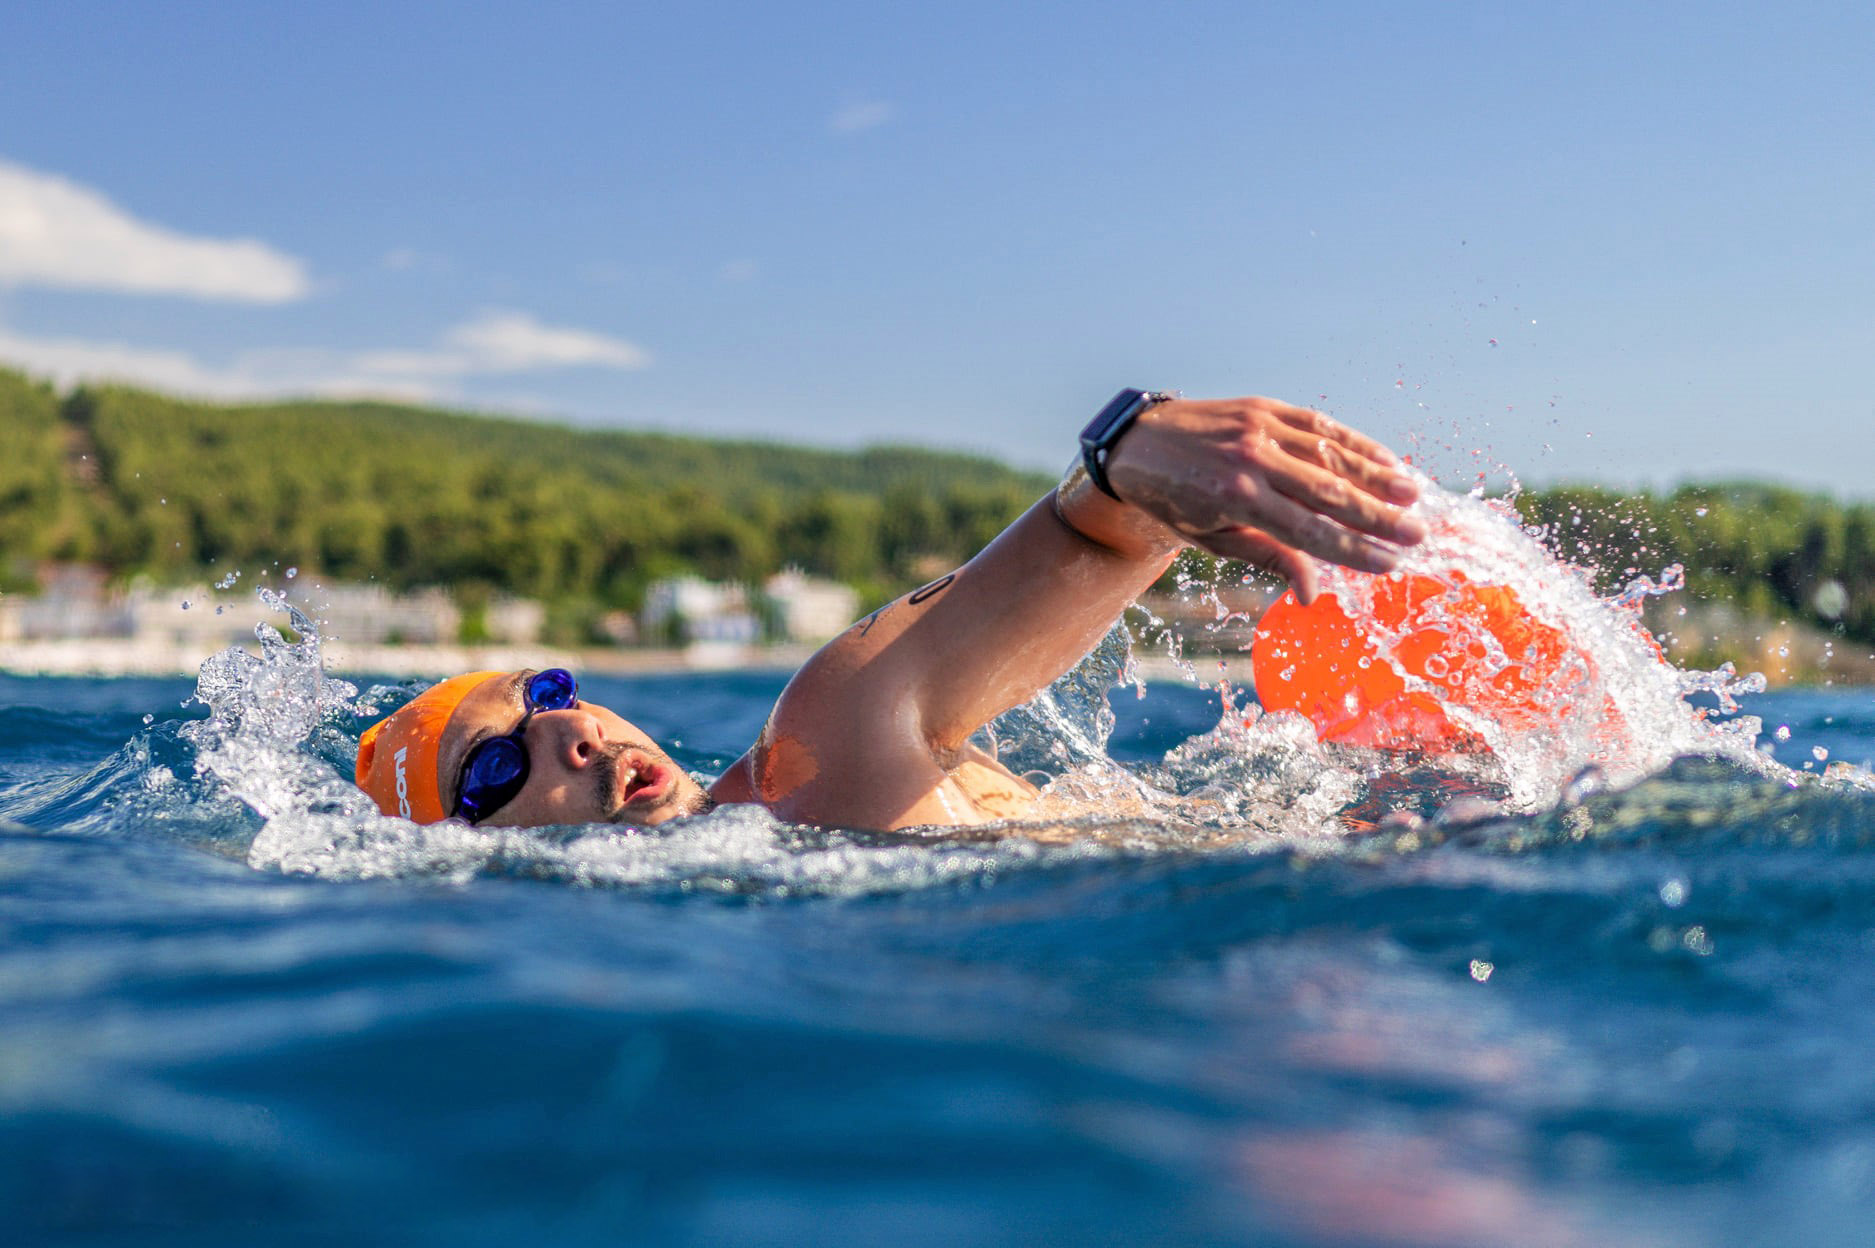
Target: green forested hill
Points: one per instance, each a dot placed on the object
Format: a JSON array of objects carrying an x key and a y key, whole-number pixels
[
  {"x": 36, "y": 503},
  {"x": 1768, "y": 550},
  {"x": 413, "y": 496}
]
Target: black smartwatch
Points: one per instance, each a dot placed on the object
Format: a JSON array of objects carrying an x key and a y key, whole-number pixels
[{"x": 1106, "y": 429}]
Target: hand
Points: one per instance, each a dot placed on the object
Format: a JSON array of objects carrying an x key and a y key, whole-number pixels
[{"x": 1270, "y": 484}]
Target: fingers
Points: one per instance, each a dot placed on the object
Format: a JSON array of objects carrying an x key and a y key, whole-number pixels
[
  {"x": 1260, "y": 550},
  {"x": 1384, "y": 481},
  {"x": 1319, "y": 439},
  {"x": 1321, "y": 425},
  {"x": 1319, "y": 490},
  {"x": 1308, "y": 529}
]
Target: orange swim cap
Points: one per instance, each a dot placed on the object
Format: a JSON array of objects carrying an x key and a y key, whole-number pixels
[{"x": 397, "y": 756}]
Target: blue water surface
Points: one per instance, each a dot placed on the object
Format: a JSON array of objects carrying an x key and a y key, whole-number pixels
[{"x": 1641, "y": 1018}]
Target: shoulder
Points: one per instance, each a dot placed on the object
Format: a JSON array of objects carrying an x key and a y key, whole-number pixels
[{"x": 842, "y": 745}]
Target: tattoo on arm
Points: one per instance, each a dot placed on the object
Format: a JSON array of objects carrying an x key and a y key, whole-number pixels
[
  {"x": 921, "y": 595},
  {"x": 932, "y": 590}
]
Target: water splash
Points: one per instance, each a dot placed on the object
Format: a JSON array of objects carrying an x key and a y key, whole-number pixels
[
  {"x": 1626, "y": 709},
  {"x": 276, "y": 724},
  {"x": 1641, "y": 588},
  {"x": 281, "y": 734}
]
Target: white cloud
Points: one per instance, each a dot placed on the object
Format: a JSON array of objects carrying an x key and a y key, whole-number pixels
[
  {"x": 495, "y": 343},
  {"x": 411, "y": 363},
  {"x": 68, "y": 361},
  {"x": 508, "y": 342},
  {"x": 54, "y": 232},
  {"x": 862, "y": 115}
]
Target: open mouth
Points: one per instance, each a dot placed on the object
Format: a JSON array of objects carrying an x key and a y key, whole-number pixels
[{"x": 643, "y": 780}]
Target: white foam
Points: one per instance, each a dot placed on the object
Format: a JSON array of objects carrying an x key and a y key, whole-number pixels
[{"x": 1627, "y": 712}]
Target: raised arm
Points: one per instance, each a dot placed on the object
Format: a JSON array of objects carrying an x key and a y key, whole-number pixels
[
  {"x": 868, "y": 719},
  {"x": 956, "y": 653}
]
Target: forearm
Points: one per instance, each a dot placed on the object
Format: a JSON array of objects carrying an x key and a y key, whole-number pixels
[{"x": 1029, "y": 607}]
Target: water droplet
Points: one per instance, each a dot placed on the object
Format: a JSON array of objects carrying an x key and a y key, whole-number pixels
[
  {"x": 1673, "y": 893},
  {"x": 291, "y": 573},
  {"x": 1819, "y": 753},
  {"x": 148, "y": 720},
  {"x": 1783, "y": 732},
  {"x": 1288, "y": 673},
  {"x": 1481, "y": 971},
  {"x": 186, "y": 604},
  {"x": 1699, "y": 511}
]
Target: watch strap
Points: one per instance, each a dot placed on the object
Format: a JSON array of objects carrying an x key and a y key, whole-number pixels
[{"x": 1109, "y": 425}]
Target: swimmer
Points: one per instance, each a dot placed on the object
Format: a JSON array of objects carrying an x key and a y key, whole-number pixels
[{"x": 873, "y": 731}]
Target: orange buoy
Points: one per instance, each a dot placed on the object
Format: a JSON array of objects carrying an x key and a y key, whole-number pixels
[{"x": 1466, "y": 645}]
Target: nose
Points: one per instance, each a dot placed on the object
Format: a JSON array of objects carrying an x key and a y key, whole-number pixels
[{"x": 573, "y": 737}]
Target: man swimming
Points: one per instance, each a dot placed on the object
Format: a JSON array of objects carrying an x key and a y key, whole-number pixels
[{"x": 873, "y": 731}]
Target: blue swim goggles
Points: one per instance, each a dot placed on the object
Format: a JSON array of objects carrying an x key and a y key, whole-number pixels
[{"x": 496, "y": 769}]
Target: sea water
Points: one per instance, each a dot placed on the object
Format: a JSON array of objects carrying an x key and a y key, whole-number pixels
[{"x": 1233, "y": 986}]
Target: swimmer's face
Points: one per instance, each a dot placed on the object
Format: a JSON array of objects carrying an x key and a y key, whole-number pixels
[{"x": 585, "y": 764}]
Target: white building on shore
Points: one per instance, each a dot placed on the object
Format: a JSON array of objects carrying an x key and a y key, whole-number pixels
[
  {"x": 373, "y": 615},
  {"x": 688, "y": 610},
  {"x": 80, "y": 622},
  {"x": 806, "y": 608},
  {"x": 790, "y": 607}
]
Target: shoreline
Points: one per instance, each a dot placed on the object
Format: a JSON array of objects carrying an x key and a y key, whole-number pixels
[
  {"x": 118, "y": 658},
  {"x": 111, "y": 658}
]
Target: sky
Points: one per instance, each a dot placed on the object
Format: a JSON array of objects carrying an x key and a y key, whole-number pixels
[{"x": 1614, "y": 242}]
